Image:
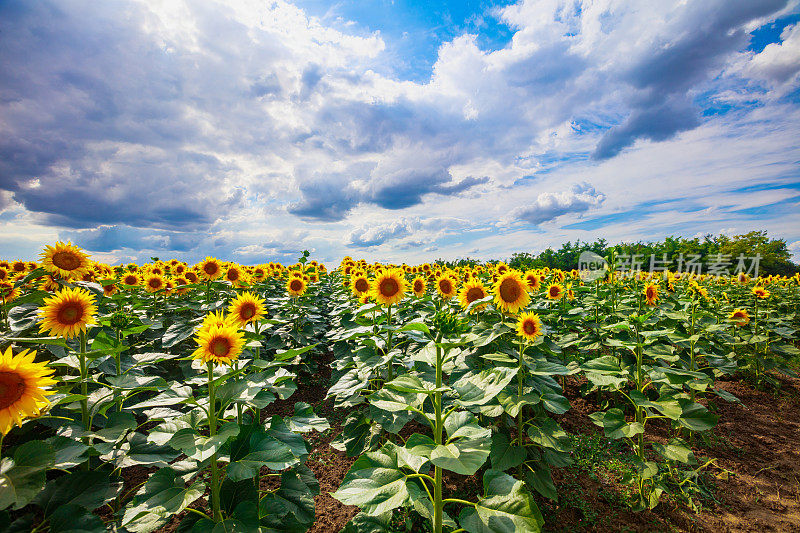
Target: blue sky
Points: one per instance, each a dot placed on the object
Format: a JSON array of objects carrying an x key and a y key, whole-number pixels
[{"x": 393, "y": 130}]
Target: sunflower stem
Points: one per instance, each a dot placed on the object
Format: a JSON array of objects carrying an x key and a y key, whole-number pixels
[
  {"x": 212, "y": 430},
  {"x": 84, "y": 390}
]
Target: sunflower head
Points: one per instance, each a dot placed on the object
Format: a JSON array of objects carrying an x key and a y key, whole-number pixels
[
  {"x": 66, "y": 261},
  {"x": 219, "y": 343},
  {"x": 110, "y": 289},
  {"x": 389, "y": 286},
  {"x": 473, "y": 291},
  {"x": 739, "y": 317},
  {"x": 533, "y": 280},
  {"x": 511, "y": 292},
  {"x": 235, "y": 276},
  {"x": 529, "y": 326},
  {"x": 246, "y": 308},
  {"x": 760, "y": 292},
  {"x": 22, "y": 388},
  {"x": 419, "y": 286},
  {"x": 68, "y": 312},
  {"x": 210, "y": 268},
  {"x": 132, "y": 279},
  {"x": 359, "y": 284},
  {"x": 446, "y": 286},
  {"x": 651, "y": 294},
  {"x": 296, "y": 286},
  {"x": 8, "y": 293},
  {"x": 154, "y": 282},
  {"x": 555, "y": 291}
]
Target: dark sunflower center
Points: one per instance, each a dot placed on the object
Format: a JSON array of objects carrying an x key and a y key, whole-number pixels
[
  {"x": 362, "y": 285},
  {"x": 389, "y": 287},
  {"x": 220, "y": 346},
  {"x": 233, "y": 275},
  {"x": 529, "y": 327},
  {"x": 296, "y": 285},
  {"x": 71, "y": 313},
  {"x": 19, "y": 267},
  {"x": 445, "y": 286},
  {"x": 248, "y": 311},
  {"x": 510, "y": 290},
  {"x": 154, "y": 283},
  {"x": 554, "y": 292},
  {"x": 12, "y": 387},
  {"x": 651, "y": 293},
  {"x": 210, "y": 268},
  {"x": 475, "y": 293},
  {"x": 130, "y": 280},
  {"x": 66, "y": 260},
  {"x": 191, "y": 277},
  {"x": 418, "y": 286}
]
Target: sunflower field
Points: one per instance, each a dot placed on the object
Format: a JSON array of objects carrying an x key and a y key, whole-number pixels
[{"x": 167, "y": 396}]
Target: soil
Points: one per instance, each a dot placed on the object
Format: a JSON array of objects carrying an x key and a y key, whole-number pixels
[{"x": 754, "y": 484}]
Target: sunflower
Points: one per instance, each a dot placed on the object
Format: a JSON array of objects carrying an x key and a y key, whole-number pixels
[
  {"x": 22, "y": 393},
  {"x": 247, "y": 307},
  {"x": 68, "y": 312},
  {"x": 555, "y": 291},
  {"x": 419, "y": 286},
  {"x": 510, "y": 292},
  {"x": 19, "y": 266},
  {"x": 739, "y": 317},
  {"x": 296, "y": 286},
  {"x": 8, "y": 293},
  {"x": 154, "y": 282},
  {"x": 533, "y": 280},
  {"x": 235, "y": 276},
  {"x": 529, "y": 326},
  {"x": 49, "y": 283},
  {"x": 131, "y": 279},
  {"x": 65, "y": 261},
  {"x": 446, "y": 286},
  {"x": 760, "y": 292},
  {"x": 742, "y": 278},
  {"x": 210, "y": 268},
  {"x": 4, "y": 276},
  {"x": 651, "y": 294},
  {"x": 191, "y": 276},
  {"x": 472, "y": 291},
  {"x": 219, "y": 343},
  {"x": 110, "y": 289},
  {"x": 389, "y": 286},
  {"x": 359, "y": 284}
]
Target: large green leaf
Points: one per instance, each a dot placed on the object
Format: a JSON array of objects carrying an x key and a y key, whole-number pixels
[
  {"x": 614, "y": 424},
  {"x": 504, "y": 455},
  {"x": 200, "y": 447},
  {"x": 254, "y": 448},
  {"x": 477, "y": 389},
  {"x": 375, "y": 483},
  {"x": 87, "y": 489},
  {"x": 23, "y": 476},
  {"x": 165, "y": 494},
  {"x": 506, "y": 507},
  {"x": 304, "y": 419},
  {"x": 696, "y": 417},
  {"x": 467, "y": 447}
]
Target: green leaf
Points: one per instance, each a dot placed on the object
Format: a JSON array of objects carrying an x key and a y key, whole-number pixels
[
  {"x": 507, "y": 507},
  {"x": 375, "y": 483},
  {"x": 200, "y": 447},
  {"x": 364, "y": 523},
  {"x": 548, "y": 434},
  {"x": 541, "y": 479},
  {"x": 504, "y": 455},
  {"x": 295, "y": 498},
  {"x": 675, "y": 450},
  {"x": 75, "y": 519},
  {"x": 89, "y": 490},
  {"x": 165, "y": 494},
  {"x": 696, "y": 417},
  {"x": 23, "y": 476},
  {"x": 614, "y": 424},
  {"x": 176, "y": 333},
  {"x": 254, "y": 448},
  {"x": 304, "y": 419},
  {"x": 468, "y": 445},
  {"x": 478, "y": 389}
]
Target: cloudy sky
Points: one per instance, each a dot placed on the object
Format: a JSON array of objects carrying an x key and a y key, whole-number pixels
[{"x": 391, "y": 129}]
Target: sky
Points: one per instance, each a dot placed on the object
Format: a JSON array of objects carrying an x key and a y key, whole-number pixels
[{"x": 399, "y": 131}]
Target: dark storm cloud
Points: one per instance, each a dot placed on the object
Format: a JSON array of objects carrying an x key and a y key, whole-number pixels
[{"x": 703, "y": 37}]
